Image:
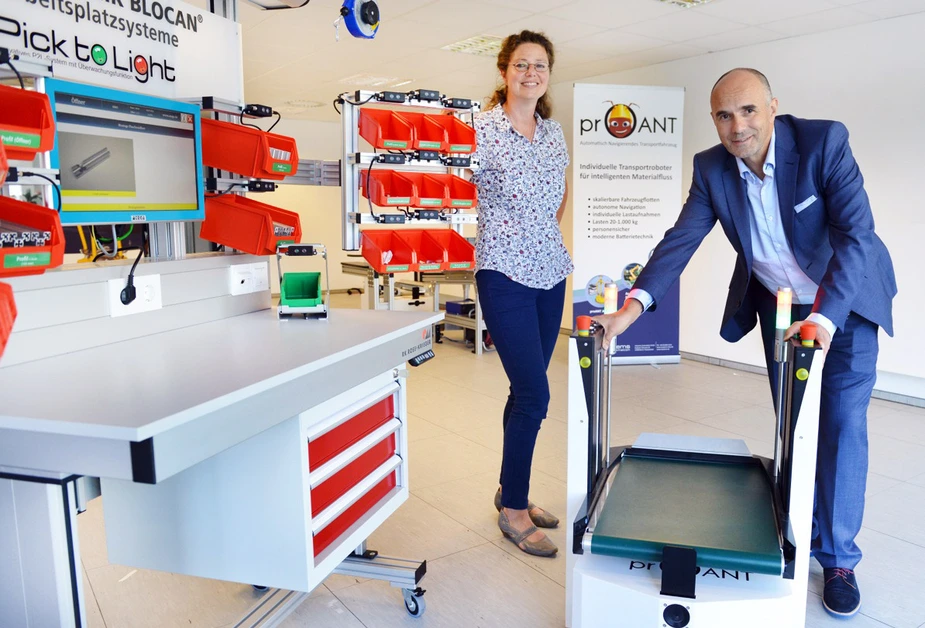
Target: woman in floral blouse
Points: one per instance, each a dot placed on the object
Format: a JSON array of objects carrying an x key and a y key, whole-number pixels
[{"x": 522, "y": 263}]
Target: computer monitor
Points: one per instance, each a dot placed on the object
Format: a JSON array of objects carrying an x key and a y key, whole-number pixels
[{"x": 124, "y": 157}]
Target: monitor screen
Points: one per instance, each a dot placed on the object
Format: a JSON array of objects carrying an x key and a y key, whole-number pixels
[{"x": 125, "y": 158}]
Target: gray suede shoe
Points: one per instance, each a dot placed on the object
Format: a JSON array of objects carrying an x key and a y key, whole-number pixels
[
  {"x": 544, "y": 547},
  {"x": 541, "y": 520}
]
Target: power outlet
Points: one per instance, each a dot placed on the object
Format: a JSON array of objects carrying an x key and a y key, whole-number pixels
[
  {"x": 248, "y": 278},
  {"x": 148, "y": 296},
  {"x": 261, "y": 276}
]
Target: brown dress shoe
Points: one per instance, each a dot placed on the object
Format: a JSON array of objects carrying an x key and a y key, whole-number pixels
[
  {"x": 543, "y": 547},
  {"x": 540, "y": 520}
]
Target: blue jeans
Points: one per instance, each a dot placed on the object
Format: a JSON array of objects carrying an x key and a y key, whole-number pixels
[
  {"x": 524, "y": 325},
  {"x": 841, "y": 461}
]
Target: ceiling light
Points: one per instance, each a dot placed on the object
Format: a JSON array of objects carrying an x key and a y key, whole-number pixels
[
  {"x": 303, "y": 104},
  {"x": 367, "y": 80},
  {"x": 686, "y": 3},
  {"x": 481, "y": 45}
]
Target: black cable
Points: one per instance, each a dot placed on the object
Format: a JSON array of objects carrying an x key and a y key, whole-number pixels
[
  {"x": 369, "y": 172},
  {"x": 22, "y": 85},
  {"x": 141, "y": 253},
  {"x": 53, "y": 183},
  {"x": 125, "y": 250},
  {"x": 278, "y": 118},
  {"x": 241, "y": 119},
  {"x": 341, "y": 99}
]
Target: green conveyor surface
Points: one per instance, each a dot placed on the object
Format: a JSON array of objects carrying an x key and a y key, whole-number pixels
[{"x": 723, "y": 510}]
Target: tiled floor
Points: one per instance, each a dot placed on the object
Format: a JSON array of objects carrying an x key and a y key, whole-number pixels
[{"x": 477, "y": 579}]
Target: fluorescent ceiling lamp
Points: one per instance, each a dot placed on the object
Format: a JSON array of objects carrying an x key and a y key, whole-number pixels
[
  {"x": 481, "y": 45},
  {"x": 686, "y": 3},
  {"x": 367, "y": 80}
]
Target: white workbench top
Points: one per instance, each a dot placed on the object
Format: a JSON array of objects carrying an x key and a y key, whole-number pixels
[{"x": 139, "y": 388}]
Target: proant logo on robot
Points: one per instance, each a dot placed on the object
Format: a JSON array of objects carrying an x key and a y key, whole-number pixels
[
  {"x": 63, "y": 49},
  {"x": 719, "y": 574}
]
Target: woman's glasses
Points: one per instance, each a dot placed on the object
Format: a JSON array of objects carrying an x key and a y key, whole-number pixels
[{"x": 523, "y": 66}]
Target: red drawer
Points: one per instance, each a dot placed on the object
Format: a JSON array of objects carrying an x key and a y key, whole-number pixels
[
  {"x": 335, "y": 486},
  {"x": 336, "y": 440},
  {"x": 336, "y": 528}
]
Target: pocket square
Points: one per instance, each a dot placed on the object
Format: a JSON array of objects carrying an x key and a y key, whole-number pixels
[{"x": 805, "y": 204}]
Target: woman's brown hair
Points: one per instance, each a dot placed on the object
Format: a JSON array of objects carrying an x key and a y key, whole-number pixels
[{"x": 508, "y": 46}]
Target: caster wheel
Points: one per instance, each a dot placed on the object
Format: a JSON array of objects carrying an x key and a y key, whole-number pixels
[{"x": 414, "y": 601}]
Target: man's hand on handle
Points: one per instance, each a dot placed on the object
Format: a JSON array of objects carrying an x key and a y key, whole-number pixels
[
  {"x": 618, "y": 322},
  {"x": 822, "y": 334}
]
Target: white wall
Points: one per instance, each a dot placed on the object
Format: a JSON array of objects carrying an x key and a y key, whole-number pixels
[{"x": 870, "y": 78}]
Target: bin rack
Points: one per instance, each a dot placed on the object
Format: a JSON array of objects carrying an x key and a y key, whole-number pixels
[
  {"x": 384, "y": 128},
  {"x": 429, "y": 192},
  {"x": 461, "y": 194},
  {"x": 387, "y": 188},
  {"x": 31, "y": 260},
  {"x": 429, "y": 134},
  {"x": 429, "y": 253},
  {"x": 247, "y": 151},
  {"x": 27, "y": 126},
  {"x": 376, "y": 242},
  {"x": 460, "y": 136},
  {"x": 7, "y": 314},
  {"x": 460, "y": 254},
  {"x": 246, "y": 225}
]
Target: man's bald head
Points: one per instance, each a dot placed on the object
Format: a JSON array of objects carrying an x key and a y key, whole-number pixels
[
  {"x": 743, "y": 111},
  {"x": 738, "y": 73}
]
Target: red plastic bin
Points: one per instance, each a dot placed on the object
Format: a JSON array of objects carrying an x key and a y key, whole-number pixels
[
  {"x": 247, "y": 151},
  {"x": 429, "y": 134},
  {"x": 376, "y": 242},
  {"x": 249, "y": 226},
  {"x": 4, "y": 164},
  {"x": 460, "y": 193},
  {"x": 429, "y": 192},
  {"x": 30, "y": 260},
  {"x": 388, "y": 188},
  {"x": 7, "y": 314},
  {"x": 27, "y": 126},
  {"x": 429, "y": 253},
  {"x": 460, "y": 254},
  {"x": 384, "y": 128},
  {"x": 460, "y": 136}
]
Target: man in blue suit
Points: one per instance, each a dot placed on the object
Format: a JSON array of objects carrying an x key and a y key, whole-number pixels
[{"x": 790, "y": 198}]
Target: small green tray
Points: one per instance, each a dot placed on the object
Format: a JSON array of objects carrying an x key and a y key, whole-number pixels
[{"x": 300, "y": 290}]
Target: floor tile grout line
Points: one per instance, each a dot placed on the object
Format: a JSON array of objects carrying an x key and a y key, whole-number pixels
[
  {"x": 894, "y": 537},
  {"x": 93, "y": 593},
  {"x": 528, "y": 564},
  {"x": 349, "y": 610},
  {"x": 462, "y": 523}
]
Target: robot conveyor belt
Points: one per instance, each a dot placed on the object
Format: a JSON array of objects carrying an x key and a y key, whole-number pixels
[{"x": 651, "y": 519}]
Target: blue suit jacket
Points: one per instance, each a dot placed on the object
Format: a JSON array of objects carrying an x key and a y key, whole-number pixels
[{"x": 832, "y": 239}]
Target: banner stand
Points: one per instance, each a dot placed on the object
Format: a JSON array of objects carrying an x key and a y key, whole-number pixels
[{"x": 627, "y": 160}]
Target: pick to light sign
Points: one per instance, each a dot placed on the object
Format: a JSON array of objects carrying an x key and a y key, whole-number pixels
[{"x": 784, "y": 305}]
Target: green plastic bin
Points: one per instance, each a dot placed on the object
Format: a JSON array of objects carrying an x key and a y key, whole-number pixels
[{"x": 301, "y": 290}]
